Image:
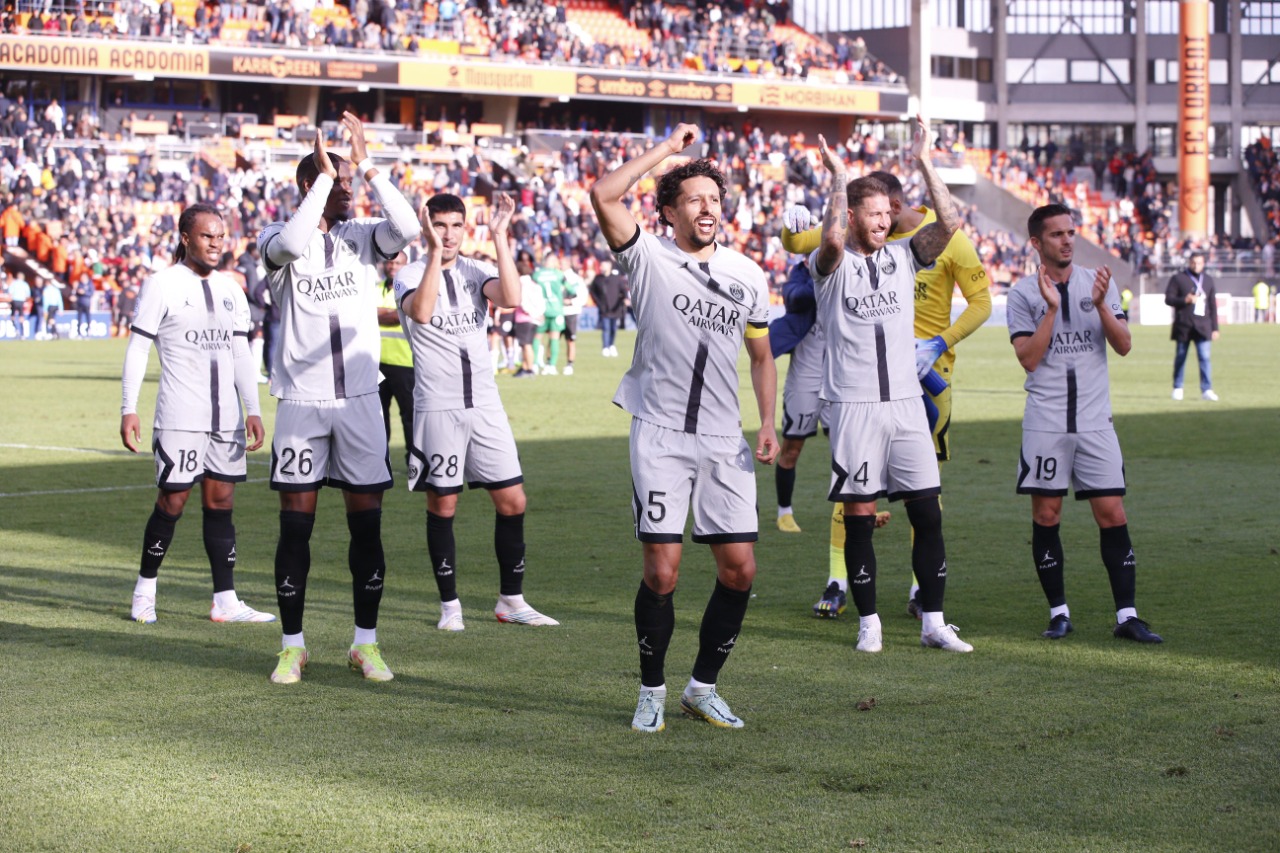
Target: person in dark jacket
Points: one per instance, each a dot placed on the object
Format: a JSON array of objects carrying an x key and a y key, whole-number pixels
[
  {"x": 611, "y": 295},
  {"x": 1194, "y": 300}
]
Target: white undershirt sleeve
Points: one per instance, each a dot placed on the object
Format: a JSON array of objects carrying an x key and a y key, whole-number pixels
[
  {"x": 292, "y": 240},
  {"x": 401, "y": 226},
  {"x": 135, "y": 370},
  {"x": 246, "y": 375}
]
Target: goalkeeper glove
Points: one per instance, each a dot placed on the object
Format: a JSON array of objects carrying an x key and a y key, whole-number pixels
[
  {"x": 927, "y": 352},
  {"x": 796, "y": 218}
]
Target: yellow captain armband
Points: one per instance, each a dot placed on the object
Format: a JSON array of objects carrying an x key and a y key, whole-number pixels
[
  {"x": 755, "y": 330},
  {"x": 803, "y": 243}
]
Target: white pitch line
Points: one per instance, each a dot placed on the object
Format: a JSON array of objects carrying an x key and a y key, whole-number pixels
[
  {"x": 97, "y": 489},
  {"x": 141, "y": 455},
  {"x": 68, "y": 449}
]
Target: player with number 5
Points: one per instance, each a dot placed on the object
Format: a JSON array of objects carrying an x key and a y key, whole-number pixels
[{"x": 696, "y": 303}]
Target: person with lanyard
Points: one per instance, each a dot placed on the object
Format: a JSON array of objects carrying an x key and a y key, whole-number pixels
[{"x": 1193, "y": 296}]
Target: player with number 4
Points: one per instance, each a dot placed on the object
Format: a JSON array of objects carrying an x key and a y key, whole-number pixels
[
  {"x": 1061, "y": 321},
  {"x": 880, "y": 439}
]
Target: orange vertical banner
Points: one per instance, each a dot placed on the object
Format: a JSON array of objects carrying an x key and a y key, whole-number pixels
[{"x": 1193, "y": 118}]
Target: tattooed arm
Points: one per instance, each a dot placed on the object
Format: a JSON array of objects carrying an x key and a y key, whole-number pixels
[
  {"x": 835, "y": 222},
  {"x": 616, "y": 222},
  {"x": 930, "y": 240}
]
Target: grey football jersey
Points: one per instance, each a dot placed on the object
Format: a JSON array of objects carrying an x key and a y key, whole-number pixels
[
  {"x": 691, "y": 318},
  {"x": 451, "y": 367},
  {"x": 805, "y": 368},
  {"x": 867, "y": 307},
  {"x": 329, "y": 339},
  {"x": 1069, "y": 390},
  {"x": 192, "y": 320}
]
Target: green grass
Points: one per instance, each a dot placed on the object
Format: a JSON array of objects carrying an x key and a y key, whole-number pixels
[{"x": 119, "y": 736}]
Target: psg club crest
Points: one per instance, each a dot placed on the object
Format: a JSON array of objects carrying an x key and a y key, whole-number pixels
[
  {"x": 228, "y": 304},
  {"x": 736, "y": 291},
  {"x": 469, "y": 287},
  {"x": 352, "y": 247},
  {"x": 1086, "y": 304},
  {"x": 889, "y": 267}
]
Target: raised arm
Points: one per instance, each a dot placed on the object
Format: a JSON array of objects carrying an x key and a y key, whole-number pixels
[
  {"x": 420, "y": 303},
  {"x": 505, "y": 293},
  {"x": 401, "y": 225},
  {"x": 835, "y": 222},
  {"x": 1030, "y": 349},
  {"x": 930, "y": 240},
  {"x": 616, "y": 221},
  {"x": 291, "y": 241},
  {"x": 1115, "y": 328}
]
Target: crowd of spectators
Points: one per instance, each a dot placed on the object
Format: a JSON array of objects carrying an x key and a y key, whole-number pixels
[
  {"x": 75, "y": 212},
  {"x": 727, "y": 38},
  {"x": 1261, "y": 163}
]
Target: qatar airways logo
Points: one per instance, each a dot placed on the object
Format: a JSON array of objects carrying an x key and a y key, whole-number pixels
[
  {"x": 1066, "y": 343},
  {"x": 708, "y": 315},
  {"x": 459, "y": 323},
  {"x": 326, "y": 288},
  {"x": 874, "y": 305},
  {"x": 209, "y": 339}
]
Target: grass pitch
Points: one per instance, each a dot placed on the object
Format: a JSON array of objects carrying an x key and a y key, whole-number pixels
[{"x": 120, "y": 736}]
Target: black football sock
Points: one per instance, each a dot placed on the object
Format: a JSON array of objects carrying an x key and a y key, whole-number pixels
[
  {"x": 1122, "y": 567},
  {"x": 220, "y": 545},
  {"x": 655, "y": 623},
  {"x": 155, "y": 541},
  {"x": 367, "y": 564},
  {"x": 784, "y": 481},
  {"x": 860, "y": 561},
  {"x": 721, "y": 624},
  {"x": 443, "y": 552},
  {"x": 1047, "y": 554},
  {"x": 293, "y": 563},
  {"x": 508, "y": 544},
  {"x": 928, "y": 553}
]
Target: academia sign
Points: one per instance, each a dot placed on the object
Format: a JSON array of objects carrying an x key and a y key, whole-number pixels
[{"x": 102, "y": 57}]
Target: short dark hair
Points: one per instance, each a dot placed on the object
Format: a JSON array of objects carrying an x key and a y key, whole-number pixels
[
  {"x": 446, "y": 203},
  {"x": 670, "y": 183},
  {"x": 308, "y": 171},
  {"x": 187, "y": 221},
  {"x": 892, "y": 185},
  {"x": 864, "y": 188},
  {"x": 1035, "y": 223}
]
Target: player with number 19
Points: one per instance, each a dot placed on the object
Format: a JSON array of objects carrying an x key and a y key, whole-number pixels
[
  {"x": 696, "y": 304},
  {"x": 199, "y": 322},
  {"x": 460, "y": 430},
  {"x": 1061, "y": 321}
]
